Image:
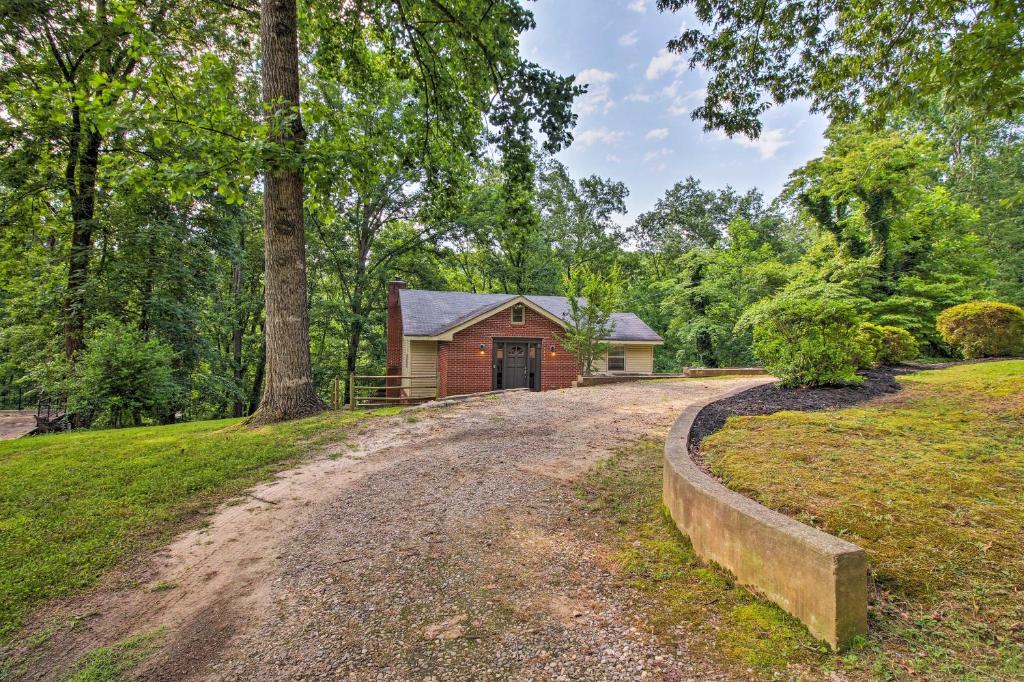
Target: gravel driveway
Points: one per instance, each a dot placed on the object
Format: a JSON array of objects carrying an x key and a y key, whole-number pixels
[{"x": 440, "y": 544}]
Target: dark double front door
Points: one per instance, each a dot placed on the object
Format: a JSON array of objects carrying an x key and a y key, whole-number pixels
[{"x": 516, "y": 364}]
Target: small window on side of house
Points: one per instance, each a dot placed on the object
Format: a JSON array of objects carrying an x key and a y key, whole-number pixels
[
  {"x": 519, "y": 314},
  {"x": 617, "y": 359}
]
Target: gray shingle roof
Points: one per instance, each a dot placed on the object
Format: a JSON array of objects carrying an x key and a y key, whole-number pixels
[{"x": 429, "y": 313}]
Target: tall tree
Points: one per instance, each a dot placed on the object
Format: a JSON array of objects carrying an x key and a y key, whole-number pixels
[
  {"x": 289, "y": 392},
  {"x": 84, "y": 56},
  {"x": 690, "y": 216},
  {"x": 577, "y": 217},
  {"x": 466, "y": 65},
  {"x": 592, "y": 300}
]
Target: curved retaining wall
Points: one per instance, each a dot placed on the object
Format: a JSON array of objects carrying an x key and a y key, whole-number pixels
[{"x": 816, "y": 577}]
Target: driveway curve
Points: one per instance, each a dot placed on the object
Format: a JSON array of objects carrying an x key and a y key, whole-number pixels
[{"x": 438, "y": 544}]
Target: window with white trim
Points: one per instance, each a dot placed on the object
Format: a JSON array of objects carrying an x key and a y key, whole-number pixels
[
  {"x": 617, "y": 359},
  {"x": 519, "y": 314}
]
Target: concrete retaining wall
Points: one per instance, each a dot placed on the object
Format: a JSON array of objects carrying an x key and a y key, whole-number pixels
[
  {"x": 722, "y": 371},
  {"x": 600, "y": 379},
  {"x": 816, "y": 577}
]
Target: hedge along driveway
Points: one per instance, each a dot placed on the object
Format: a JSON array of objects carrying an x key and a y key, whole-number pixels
[
  {"x": 72, "y": 505},
  {"x": 929, "y": 481}
]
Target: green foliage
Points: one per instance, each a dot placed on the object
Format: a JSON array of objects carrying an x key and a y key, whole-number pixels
[
  {"x": 898, "y": 345},
  {"x": 690, "y": 216},
  {"x": 577, "y": 217},
  {"x": 807, "y": 337},
  {"x": 983, "y": 329},
  {"x": 123, "y": 379},
  {"x": 883, "y": 345},
  {"x": 853, "y": 56},
  {"x": 113, "y": 663},
  {"x": 713, "y": 288},
  {"x": 869, "y": 342},
  {"x": 592, "y": 300}
]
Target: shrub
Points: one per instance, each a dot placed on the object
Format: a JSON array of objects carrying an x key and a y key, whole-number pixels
[
  {"x": 807, "y": 337},
  {"x": 883, "y": 345},
  {"x": 122, "y": 379},
  {"x": 898, "y": 345},
  {"x": 983, "y": 329},
  {"x": 869, "y": 342}
]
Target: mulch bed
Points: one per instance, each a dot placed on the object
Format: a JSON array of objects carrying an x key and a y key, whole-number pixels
[{"x": 769, "y": 399}]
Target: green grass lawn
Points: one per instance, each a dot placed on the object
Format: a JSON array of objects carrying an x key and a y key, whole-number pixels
[
  {"x": 930, "y": 482},
  {"x": 73, "y": 505}
]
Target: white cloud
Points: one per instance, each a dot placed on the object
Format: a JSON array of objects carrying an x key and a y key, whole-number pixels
[
  {"x": 680, "y": 102},
  {"x": 585, "y": 138},
  {"x": 770, "y": 141},
  {"x": 638, "y": 97},
  {"x": 639, "y": 6},
  {"x": 677, "y": 108},
  {"x": 657, "y": 134},
  {"x": 598, "y": 96},
  {"x": 664, "y": 62},
  {"x": 657, "y": 154},
  {"x": 612, "y": 158},
  {"x": 628, "y": 39},
  {"x": 595, "y": 76}
]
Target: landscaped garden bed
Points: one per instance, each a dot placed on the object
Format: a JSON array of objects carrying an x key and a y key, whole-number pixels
[
  {"x": 926, "y": 473},
  {"x": 770, "y": 398}
]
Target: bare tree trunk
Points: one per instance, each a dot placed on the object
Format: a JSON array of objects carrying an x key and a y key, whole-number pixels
[{"x": 289, "y": 391}]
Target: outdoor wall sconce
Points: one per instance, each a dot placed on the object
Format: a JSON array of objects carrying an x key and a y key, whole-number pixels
[
  {"x": 552, "y": 349},
  {"x": 483, "y": 347}
]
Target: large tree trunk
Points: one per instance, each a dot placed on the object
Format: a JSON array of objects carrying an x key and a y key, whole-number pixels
[
  {"x": 80, "y": 179},
  {"x": 289, "y": 391}
]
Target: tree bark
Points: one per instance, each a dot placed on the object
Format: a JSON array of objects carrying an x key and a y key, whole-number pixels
[
  {"x": 237, "y": 332},
  {"x": 80, "y": 178},
  {"x": 289, "y": 391}
]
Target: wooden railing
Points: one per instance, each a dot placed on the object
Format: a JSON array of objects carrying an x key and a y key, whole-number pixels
[{"x": 366, "y": 390}]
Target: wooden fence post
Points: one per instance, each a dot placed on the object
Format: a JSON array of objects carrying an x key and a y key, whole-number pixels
[{"x": 352, "y": 391}]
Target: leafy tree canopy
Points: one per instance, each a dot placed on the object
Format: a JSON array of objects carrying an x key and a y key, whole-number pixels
[{"x": 849, "y": 58}]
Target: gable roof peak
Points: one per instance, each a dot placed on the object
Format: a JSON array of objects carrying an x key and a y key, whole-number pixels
[{"x": 427, "y": 313}]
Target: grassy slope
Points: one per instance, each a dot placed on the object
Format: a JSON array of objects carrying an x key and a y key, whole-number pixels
[
  {"x": 930, "y": 481},
  {"x": 72, "y": 505}
]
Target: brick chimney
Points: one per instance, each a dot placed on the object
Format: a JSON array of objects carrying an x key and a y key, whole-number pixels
[{"x": 394, "y": 355}]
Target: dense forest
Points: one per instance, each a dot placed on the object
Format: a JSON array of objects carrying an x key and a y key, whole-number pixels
[{"x": 138, "y": 150}]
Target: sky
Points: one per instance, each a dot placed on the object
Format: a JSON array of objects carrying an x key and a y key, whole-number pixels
[{"x": 634, "y": 123}]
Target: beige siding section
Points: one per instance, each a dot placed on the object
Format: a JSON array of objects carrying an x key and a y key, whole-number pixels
[
  {"x": 423, "y": 366},
  {"x": 640, "y": 359}
]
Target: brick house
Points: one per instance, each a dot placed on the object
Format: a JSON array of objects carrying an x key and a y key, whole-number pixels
[{"x": 470, "y": 343}]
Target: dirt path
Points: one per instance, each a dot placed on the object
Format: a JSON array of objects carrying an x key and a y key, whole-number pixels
[
  {"x": 16, "y": 423},
  {"x": 447, "y": 544}
]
